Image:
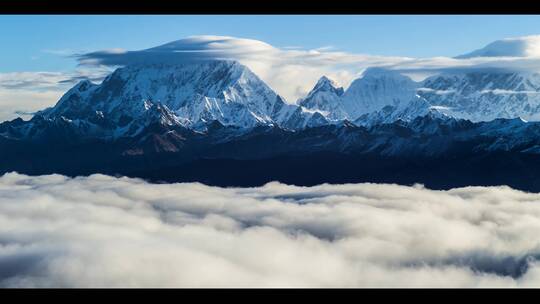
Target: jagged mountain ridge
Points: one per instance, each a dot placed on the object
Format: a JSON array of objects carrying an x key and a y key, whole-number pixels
[
  {"x": 325, "y": 98},
  {"x": 193, "y": 95},
  {"x": 383, "y": 96},
  {"x": 437, "y": 150}
]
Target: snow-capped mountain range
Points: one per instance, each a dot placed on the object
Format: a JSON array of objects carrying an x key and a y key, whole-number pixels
[
  {"x": 194, "y": 95},
  {"x": 191, "y": 95},
  {"x": 383, "y": 96},
  {"x": 197, "y": 120}
]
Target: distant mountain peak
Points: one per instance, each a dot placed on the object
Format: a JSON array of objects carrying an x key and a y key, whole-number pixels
[
  {"x": 327, "y": 84},
  {"x": 196, "y": 92},
  {"x": 325, "y": 99}
]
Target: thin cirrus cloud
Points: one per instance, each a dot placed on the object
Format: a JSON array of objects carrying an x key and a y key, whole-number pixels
[{"x": 106, "y": 231}]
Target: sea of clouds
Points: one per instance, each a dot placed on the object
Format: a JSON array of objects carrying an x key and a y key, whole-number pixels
[{"x": 121, "y": 232}]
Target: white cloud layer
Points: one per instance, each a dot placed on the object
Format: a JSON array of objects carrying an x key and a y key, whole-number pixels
[{"x": 106, "y": 231}]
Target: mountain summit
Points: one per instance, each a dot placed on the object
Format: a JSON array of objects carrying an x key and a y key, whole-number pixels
[
  {"x": 196, "y": 93},
  {"x": 325, "y": 98}
]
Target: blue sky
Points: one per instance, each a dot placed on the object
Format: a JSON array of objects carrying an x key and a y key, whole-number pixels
[{"x": 34, "y": 43}]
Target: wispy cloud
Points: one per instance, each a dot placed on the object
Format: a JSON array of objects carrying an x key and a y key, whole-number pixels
[
  {"x": 61, "y": 52},
  {"x": 27, "y": 92},
  {"x": 292, "y": 72},
  {"x": 106, "y": 231},
  {"x": 21, "y": 102},
  {"x": 42, "y": 81},
  {"x": 31, "y": 80}
]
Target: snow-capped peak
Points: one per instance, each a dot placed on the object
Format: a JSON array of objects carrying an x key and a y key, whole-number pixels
[
  {"x": 377, "y": 89},
  {"x": 327, "y": 84},
  {"x": 377, "y": 72},
  {"x": 325, "y": 98},
  {"x": 197, "y": 93},
  {"x": 485, "y": 95}
]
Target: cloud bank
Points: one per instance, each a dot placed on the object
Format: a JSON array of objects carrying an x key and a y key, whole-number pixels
[{"x": 106, "y": 231}]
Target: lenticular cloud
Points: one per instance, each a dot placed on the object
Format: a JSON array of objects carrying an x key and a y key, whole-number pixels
[{"x": 106, "y": 231}]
